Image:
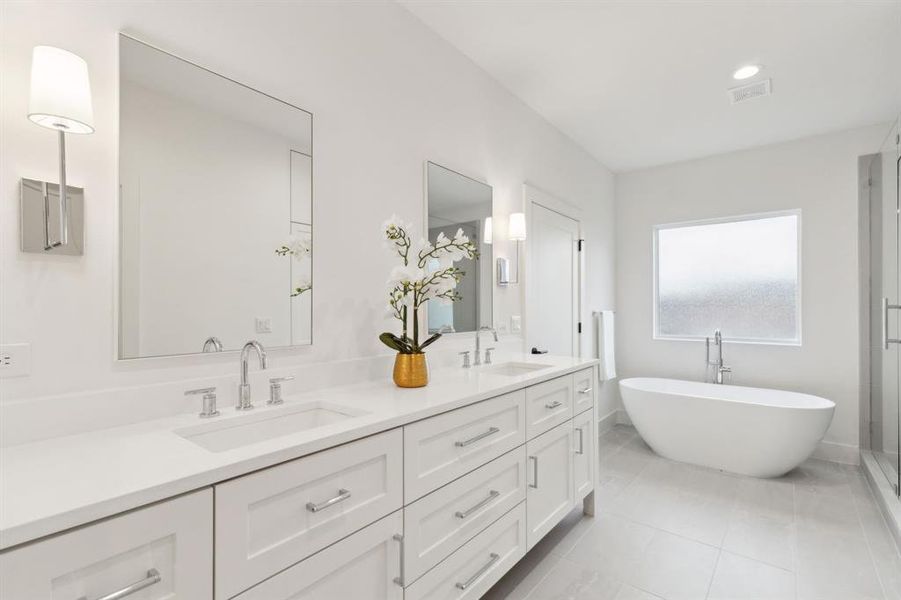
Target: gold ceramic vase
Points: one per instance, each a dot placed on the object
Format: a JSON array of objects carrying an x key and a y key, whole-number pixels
[{"x": 411, "y": 370}]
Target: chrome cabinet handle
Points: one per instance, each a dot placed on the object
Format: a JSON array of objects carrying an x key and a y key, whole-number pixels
[
  {"x": 481, "y": 436},
  {"x": 581, "y": 449},
  {"x": 341, "y": 497},
  {"x": 534, "y": 472},
  {"x": 886, "y": 340},
  {"x": 462, "y": 585},
  {"x": 399, "y": 580},
  {"x": 462, "y": 514},
  {"x": 586, "y": 390},
  {"x": 153, "y": 576},
  {"x": 553, "y": 404}
]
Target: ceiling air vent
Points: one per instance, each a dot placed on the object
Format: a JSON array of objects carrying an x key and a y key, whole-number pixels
[{"x": 758, "y": 89}]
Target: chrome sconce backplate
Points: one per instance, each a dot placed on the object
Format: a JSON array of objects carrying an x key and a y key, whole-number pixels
[{"x": 47, "y": 225}]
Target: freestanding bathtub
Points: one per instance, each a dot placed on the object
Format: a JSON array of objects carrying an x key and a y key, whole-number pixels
[{"x": 752, "y": 431}]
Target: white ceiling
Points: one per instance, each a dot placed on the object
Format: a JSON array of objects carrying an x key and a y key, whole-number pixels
[{"x": 644, "y": 83}]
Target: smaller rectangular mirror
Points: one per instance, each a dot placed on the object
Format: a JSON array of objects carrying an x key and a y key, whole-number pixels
[{"x": 455, "y": 201}]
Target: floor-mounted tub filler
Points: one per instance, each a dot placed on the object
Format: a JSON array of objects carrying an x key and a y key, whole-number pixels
[{"x": 752, "y": 431}]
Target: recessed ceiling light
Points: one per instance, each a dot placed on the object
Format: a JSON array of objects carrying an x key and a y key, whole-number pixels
[{"x": 746, "y": 71}]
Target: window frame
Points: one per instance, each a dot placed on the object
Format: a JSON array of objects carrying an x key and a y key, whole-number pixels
[{"x": 656, "y": 335}]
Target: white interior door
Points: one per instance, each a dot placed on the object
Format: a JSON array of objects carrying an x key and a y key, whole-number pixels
[{"x": 553, "y": 297}]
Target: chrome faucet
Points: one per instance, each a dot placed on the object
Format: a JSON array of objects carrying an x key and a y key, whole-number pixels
[
  {"x": 719, "y": 369},
  {"x": 478, "y": 357},
  {"x": 244, "y": 402},
  {"x": 212, "y": 344}
]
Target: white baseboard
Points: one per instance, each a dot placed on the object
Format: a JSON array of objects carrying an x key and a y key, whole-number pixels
[
  {"x": 837, "y": 453},
  {"x": 607, "y": 422}
]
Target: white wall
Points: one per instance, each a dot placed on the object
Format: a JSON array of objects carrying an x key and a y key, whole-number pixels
[
  {"x": 817, "y": 175},
  {"x": 386, "y": 94}
]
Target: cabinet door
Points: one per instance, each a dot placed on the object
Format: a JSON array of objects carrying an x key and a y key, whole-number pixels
[
  {"x": 583, "y": 390},
  {"x": 550, "y": 480},
  {"x": 583, "y": 454},
  {"x": 164, "y": 551},
  {"x": 363, "y": 565},
  {"x": 548, "y": 404}
]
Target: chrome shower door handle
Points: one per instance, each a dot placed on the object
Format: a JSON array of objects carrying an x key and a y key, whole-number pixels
[
  {"x": 886, "y": 340},
  {"x": 153, "y": 576}
]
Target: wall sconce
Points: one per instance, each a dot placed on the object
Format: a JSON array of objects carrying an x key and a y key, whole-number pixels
[
  {"x": 60, "y": 100},
  {"x": 516, "y": 232}
]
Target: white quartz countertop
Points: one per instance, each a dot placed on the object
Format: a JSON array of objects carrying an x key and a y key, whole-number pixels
[{"x": 53, "y": 485}]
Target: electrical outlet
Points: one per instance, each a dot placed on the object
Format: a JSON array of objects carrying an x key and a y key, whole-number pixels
[
  {"x": 263, "y": 324},
  {"x": 515, "y": 324},
  {"x": 15, "y": 360}
]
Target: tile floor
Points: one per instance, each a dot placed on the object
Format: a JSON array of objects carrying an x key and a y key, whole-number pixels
[{"x": 669, "y": 530}]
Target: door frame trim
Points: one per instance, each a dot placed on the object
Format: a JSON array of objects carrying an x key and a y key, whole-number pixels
[{"x": 532, "y": 195}]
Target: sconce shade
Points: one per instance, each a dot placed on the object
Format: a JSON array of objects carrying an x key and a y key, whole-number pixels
[
  {"x": 516, "y": 229},
  {"x": 60, "y": 91},
  {"x": 488, "y": 237}
]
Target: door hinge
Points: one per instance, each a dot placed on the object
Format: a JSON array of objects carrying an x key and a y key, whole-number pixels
[
  {"x": 579, "y": 328},
  {"x": 580, "y": 244}
]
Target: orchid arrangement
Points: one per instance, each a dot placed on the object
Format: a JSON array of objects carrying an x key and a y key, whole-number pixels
[
  {"x": 427, "y": 273},
  {"x": 299, "y": 248}
]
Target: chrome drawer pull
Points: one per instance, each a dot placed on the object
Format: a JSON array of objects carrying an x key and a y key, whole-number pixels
[
  {"x": 586, "y": 390},
  {"x": 341, "y": 497},
  {"x": 553, "y": 404},
  {"x": 581, "y": 449},
  {"x": 465, "y": 584},
  {"x": 400, "y": 539},
  {"x": 534, "y": 472},
  {"x": 153, "y": 576},
  {"x": 462, "y": 514},
  {"x": 481, "y": 436}
]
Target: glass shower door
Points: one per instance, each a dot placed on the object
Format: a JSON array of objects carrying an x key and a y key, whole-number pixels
[{"x": 885, "y": 282}]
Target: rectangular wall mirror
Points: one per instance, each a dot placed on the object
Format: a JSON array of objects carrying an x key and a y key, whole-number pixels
[
  {"x": 454, "y": 202},
  {"x": 215, "y": 211}
]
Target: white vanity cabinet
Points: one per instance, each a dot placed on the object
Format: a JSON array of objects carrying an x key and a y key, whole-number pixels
[
  {"x": 365, "y": 565},
  {"x": 583, "y": 390},
  {"x": 163, "y": 551},
  {"x": 549, "y": 404},
  {"x": 551, "y": 491}
]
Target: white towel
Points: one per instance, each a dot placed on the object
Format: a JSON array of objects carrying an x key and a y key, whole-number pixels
[{"x": 604, "y": 345}]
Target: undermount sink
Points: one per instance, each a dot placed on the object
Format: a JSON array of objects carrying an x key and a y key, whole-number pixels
[
  {"x": 265, "y": 425},
  {"x": 515, "y": 369}
]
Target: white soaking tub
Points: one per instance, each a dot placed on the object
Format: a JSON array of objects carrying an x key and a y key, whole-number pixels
[{"x": 752, "y": 431}]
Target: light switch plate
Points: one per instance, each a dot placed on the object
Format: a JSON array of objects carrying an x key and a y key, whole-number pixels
[
  {"x": 515, "y": 323},
  {"x": 263, "y": 324},
  {"x": 15, "y": 360}
]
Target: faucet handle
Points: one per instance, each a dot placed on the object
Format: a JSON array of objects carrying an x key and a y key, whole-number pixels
[
  {"x": 275, "y": 389},
  {"x": 209, "y": 401},
  {"x": 465, "y": 355},
  {"x": 488, "y": 355}
]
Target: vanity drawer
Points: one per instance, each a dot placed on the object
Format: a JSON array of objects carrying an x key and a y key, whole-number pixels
[
  {"x": 441, "y": 522},
  {"x": 549, "y": 404},
  {"x": 444, "y": 447},
  {"x": 473, "y": 569},
  {"x": 364, "y": 565},
  {"x": 166, "y": 550},
  {"x": 271, "y": 519},
  {"x": 583, "y": 390}
]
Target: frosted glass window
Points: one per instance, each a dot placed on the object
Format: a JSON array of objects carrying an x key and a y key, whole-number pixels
[{"x": 739, "y": 275}]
